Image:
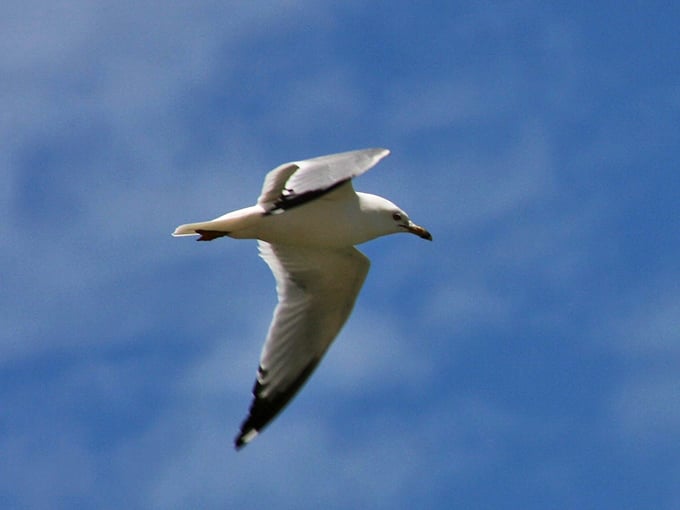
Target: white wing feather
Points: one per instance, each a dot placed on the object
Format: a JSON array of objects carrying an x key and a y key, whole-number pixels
[{"x": 317, "y": 289}]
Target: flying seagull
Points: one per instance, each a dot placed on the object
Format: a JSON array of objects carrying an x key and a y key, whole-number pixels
[{"x": 307, "y": 221}]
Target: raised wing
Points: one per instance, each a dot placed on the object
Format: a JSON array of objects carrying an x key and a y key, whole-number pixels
[
  {"x": 316, "y": 290},
  {"x": 297, "y": 182}
]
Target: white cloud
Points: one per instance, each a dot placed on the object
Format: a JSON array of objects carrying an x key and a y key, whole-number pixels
[
  {"x": 46, "y": 467},
  {"x": 357, "y": 467},
  {"x": 446, "y": 103},
  {"x": 461, "y": 310},
  {"x": 467, "y": 189},
  {"x": 371, "y": 353},
  {"x": 651, "y": 328},
  {"x": 640, "y": 330},
  {"x": 646, "y": 411}
]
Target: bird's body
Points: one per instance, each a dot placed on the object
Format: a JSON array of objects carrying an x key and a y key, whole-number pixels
[
  {"x": 308, "y": 219},
  {"x": 340, "y": 208}
]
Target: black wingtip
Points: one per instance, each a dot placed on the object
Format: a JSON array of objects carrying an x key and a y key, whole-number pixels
[
  {"x": 244, "y": 437},
  {"x": 264, "y": 410},
  {"x": 239, "y": 442}
]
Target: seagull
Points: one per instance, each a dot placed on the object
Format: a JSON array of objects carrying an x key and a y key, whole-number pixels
[{"x": 307, "y": 220}]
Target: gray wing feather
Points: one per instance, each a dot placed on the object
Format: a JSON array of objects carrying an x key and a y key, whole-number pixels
[{"x": 317, "y": 174}]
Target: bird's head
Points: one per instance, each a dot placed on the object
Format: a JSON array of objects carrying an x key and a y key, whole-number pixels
[
  {"x": 390, "y": 219},
  {"x": 403, "y": 223}
]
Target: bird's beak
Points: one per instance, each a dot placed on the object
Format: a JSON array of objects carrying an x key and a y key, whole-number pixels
[{"x": 418, "y": 230}]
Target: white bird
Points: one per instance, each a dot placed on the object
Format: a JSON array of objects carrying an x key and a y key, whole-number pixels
[{"x": 307, "y": 219}]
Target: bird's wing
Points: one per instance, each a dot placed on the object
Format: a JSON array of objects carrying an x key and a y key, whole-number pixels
[
  {"x": 317, "y": 289},
  {"x": 297, "y": 182}
]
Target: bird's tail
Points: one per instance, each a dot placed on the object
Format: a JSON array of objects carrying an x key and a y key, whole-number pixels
[
  {"x": 236, "y": 224},
  {"x": 206, "y": 229},
  {"x": 188, "y": 229}
]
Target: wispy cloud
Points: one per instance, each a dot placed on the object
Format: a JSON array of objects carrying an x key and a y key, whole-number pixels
[{"x": 642, "y": 332}]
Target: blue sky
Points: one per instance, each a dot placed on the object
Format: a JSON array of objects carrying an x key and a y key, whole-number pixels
[{"x": 528, "y": 358}]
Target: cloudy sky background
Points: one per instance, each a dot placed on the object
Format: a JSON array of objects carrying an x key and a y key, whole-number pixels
[{"x": 528, "y": 358}]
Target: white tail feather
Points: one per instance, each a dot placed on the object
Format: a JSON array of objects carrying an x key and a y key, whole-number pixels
[
  {"x": 188, "y": 229},
  {"x": 236, "y": 221}
]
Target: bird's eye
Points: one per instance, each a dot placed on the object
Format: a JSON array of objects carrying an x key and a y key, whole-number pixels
[{"x": 396, "y": 216}]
